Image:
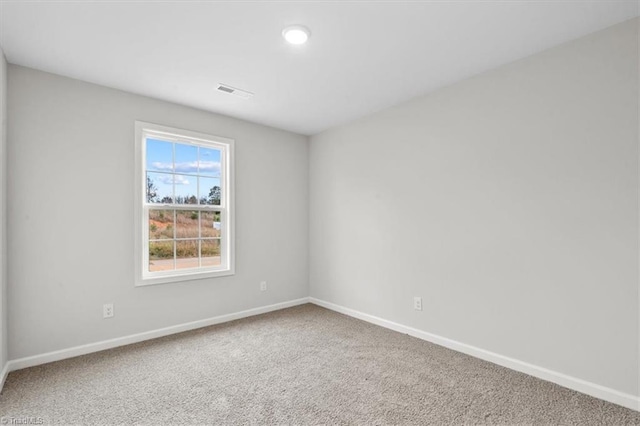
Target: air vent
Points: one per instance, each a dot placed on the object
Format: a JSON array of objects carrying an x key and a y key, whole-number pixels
[
  {"x": 234, "y": 91},
  {"x": 226, "y": 89}
]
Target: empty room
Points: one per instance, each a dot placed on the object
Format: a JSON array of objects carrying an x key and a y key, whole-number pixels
[{"x": 319, "y": 212}]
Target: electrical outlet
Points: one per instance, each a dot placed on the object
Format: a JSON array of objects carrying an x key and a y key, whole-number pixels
[
  {"x": 417, "y": 303},
  {"x": 107, "y": 310},
  {"x": 263, "y": 286}
]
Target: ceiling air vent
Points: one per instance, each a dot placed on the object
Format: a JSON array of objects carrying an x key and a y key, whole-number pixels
[{"x": 234, "y": 91}]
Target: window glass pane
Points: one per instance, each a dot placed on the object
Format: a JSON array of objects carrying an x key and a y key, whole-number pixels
[
  {"x": 159, "y": 188},
  {"x": 186, "y": 189},
  {"x": 186, "y": 224},
  {"x": 210, "y": 191},
  {"x": 210, "y": 252},
  {"x": 161, "y": 256},
  {"x": 161, "y": 224},
  {"x": 187, "y": 254},
  {"x": 210, "y": 225},
  {"x": 159, "y": 155},
  {"x": 186, "y": 159},
  {"x": 209, "y": 161}
]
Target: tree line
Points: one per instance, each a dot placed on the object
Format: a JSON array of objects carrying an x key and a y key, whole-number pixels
[{"x": 152, "y": 196}]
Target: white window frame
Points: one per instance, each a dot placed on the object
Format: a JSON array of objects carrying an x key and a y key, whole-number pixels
[{"x": 226, "y": 207}]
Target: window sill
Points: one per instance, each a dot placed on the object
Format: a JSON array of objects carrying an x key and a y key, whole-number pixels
[{"x": 143, "y": 282}]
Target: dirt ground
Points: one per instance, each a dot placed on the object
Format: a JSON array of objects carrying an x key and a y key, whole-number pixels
[{"x": 167, "y": 264}]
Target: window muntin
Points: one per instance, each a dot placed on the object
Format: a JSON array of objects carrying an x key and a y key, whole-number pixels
[{"x": 185, "y": 205}]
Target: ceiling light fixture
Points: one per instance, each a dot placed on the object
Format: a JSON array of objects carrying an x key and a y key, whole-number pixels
[{"x": 296, "y": 34}]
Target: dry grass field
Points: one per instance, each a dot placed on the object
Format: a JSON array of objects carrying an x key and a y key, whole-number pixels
[{"x": 193, "y": 235}]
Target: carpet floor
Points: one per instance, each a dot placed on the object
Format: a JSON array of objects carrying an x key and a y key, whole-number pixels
[{"x": 303, "y": 365}]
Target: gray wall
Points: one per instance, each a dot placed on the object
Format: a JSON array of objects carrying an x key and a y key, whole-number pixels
[
  {"x": 508, "y": 201},
  {"x": 3, "y": 210},
  {"x": 70, "y": 242}
]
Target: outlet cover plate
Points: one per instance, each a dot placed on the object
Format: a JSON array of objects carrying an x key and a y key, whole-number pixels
[{"x": 417, "y": 303}]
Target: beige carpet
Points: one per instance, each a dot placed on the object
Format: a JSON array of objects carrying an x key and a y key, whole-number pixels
[{"x": 304, "y": 365}]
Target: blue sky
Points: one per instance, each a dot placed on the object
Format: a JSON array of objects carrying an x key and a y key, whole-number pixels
[{"x": 189, "y": 161}]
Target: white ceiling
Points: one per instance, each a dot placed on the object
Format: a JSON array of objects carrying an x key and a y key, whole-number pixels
[{"x": 361, "y": 57}]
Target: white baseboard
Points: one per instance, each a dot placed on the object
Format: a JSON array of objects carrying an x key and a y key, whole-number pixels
[
  {"x": 4, "y": 374},
  {"x": 583, "y": 386},
  {"x": 31, "y": 361},
  {"x": 579, "y": 385}
]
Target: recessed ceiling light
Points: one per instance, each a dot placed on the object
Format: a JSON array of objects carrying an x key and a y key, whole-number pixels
[{"x": 296, "y": 34}]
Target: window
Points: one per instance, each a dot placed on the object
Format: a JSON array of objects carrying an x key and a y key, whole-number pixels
[{"x": 184, "y": 205}]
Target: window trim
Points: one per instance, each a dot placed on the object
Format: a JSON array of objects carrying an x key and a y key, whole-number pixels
[{"x": 142, "y": 278}]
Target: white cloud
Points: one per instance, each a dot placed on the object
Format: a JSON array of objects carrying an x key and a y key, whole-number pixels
[
  {"x": 209, "y": 166},
  {"x": 157, "y": 165},
  {"x": 181, "y": 180},
  {"x": 188, "y": 166},
  {"x": 168, "y": 179}
]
